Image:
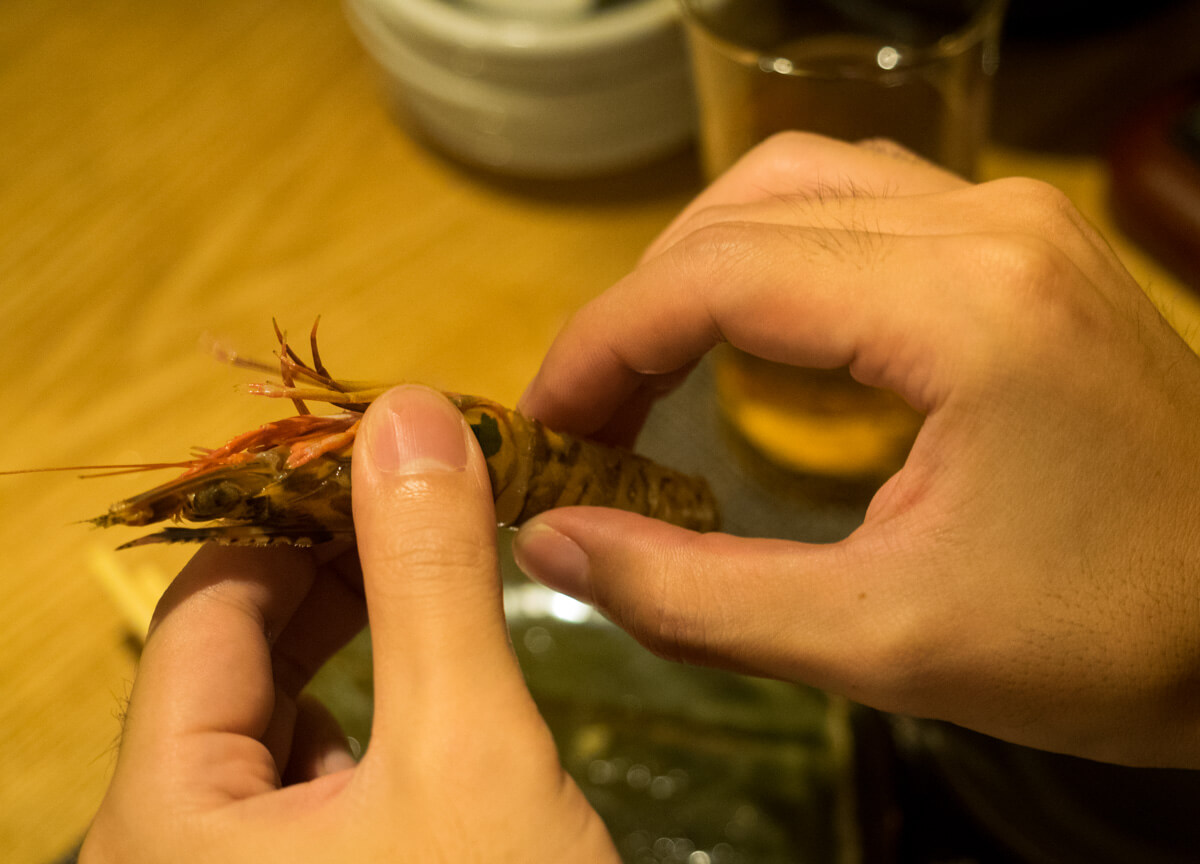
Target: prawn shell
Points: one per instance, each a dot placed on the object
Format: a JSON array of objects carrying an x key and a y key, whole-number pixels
[{"x": 533, "y": 469}]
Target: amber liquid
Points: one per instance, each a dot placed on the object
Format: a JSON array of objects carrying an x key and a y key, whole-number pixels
[
  {"x": 822, "y": 421},
  {"x": 837, "y": 88},
  {"x": 814, "y": 421}
]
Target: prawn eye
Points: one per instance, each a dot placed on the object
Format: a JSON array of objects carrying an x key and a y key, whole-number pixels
[{"x": 213, "y": 501}]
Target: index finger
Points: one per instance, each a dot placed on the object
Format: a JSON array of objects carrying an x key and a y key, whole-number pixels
[
  {"x": 803, "y": 164},
  {"x": 792, "y": 294},
  {"x": 630, "y": 345}
]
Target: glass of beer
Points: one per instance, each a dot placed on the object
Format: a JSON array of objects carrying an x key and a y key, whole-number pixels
[{"x": 917, "y": 72}]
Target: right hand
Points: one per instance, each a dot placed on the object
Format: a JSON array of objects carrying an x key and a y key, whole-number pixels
[{"x": 1033, "y": 571}]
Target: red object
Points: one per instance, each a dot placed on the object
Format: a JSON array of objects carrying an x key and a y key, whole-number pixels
[{"x": 1155, "y": 160}]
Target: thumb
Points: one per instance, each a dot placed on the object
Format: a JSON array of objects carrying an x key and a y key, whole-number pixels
[
  {"x": 426, "y": 533},
  {"x": 764, "y": 607}
]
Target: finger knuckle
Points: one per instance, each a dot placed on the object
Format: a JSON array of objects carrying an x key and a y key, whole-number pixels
[
  {"x": 1031, "y": 287},
  {"x": 716, "y": 253},
  {"x": 429, "y": 552},
  {"x": 1043, "y": 202},
  {"x": 786, "y": 146},
  {"x": 1026, "y": 264},
  {"x": 899, "y": 659},
  {"x": 669, "y": 626},
  {"x": 789, "y": 155},
  {"x": 890, "y": 147},
  {"x": 677, "y": 618},
  {"x": 708, "y": 217}
]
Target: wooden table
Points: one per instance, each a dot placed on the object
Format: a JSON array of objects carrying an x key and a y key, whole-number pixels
[{"x": 175, "y": 174}]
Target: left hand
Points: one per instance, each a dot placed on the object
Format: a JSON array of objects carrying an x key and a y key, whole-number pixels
[{"x": 222, "y": 760}]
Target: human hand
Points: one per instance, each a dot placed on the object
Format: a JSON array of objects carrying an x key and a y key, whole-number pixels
[
  {"x": 220, "y": 761},
  {"x": 1032, "y": 571}
]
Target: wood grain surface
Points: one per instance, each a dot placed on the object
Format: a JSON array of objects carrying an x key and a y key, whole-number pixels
[{"x": 172, "y": 175}]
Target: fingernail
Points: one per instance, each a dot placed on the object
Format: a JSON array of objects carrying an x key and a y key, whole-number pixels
[
  {"x": 336, "y": 759},
  {"x": 553, "y": 559},
  {"x": 417, "y": 432}
]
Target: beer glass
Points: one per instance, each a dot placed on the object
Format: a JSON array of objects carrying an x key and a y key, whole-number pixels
[{"x": 917, "y": 72}]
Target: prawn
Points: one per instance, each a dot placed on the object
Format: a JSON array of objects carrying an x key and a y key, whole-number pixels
[{"x": 288, "y": 482}]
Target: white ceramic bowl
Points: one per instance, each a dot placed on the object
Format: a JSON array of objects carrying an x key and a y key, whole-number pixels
[{"x": 556, "y": 96}]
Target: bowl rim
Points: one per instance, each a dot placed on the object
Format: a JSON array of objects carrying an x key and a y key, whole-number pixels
[{"x": 608, "y": 29}]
